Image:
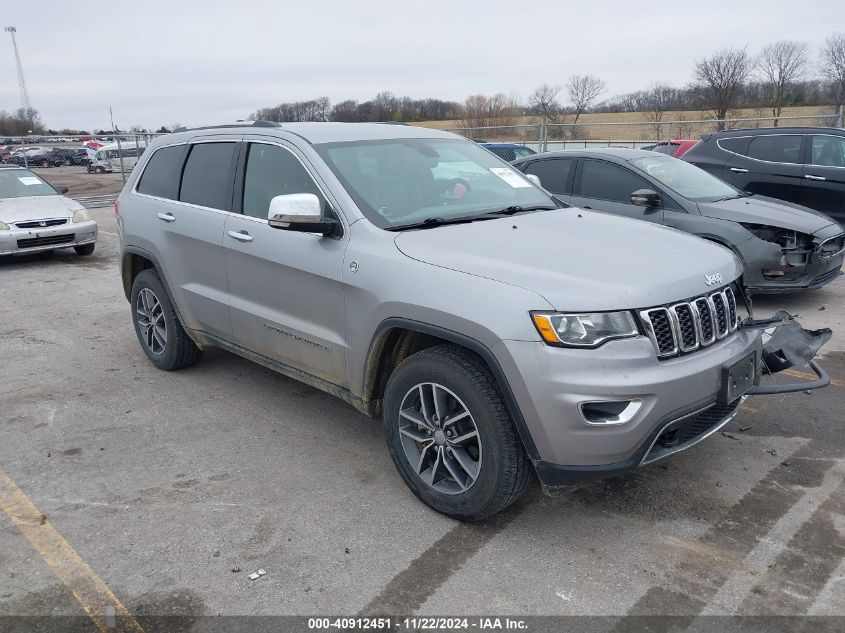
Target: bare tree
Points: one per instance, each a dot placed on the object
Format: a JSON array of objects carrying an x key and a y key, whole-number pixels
[
  {"x": 543, "y": 101},
  {"x": 720, "y": 78},
  {"x": 779, "y": 66},
  {"x": 483, "y": 111},
  {"x": 656, "y": 101},
  {"x": 583, "y": 91},
  {"x": 832, "y": 64}
]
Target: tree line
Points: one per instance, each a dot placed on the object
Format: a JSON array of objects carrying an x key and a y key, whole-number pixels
[{"x": 781, "y": 75}]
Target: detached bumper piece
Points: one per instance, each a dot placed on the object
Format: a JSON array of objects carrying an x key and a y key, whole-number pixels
[{"x": 790, "y": 345}]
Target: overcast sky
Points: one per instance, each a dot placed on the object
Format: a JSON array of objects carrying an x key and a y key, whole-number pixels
[{"x": 159, "y": 62}]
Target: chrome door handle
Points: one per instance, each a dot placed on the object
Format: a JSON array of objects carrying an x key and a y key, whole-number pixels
[
  {"x": 241, "y": 236},
  {"x": 811, "y": 177},
  {"x": 167, "y": 217},
  {"x": 739, "y": 170}
]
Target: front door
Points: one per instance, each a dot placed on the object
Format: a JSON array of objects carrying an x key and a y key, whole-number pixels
[
  {"x": 604, "y": 186},
  {"x": 771, "y": 167},
  {"x": 824, "y": 175},
  {"x": 286, "y": 299}
]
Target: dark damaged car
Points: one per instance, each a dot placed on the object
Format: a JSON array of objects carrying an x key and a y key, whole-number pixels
[{"x": 783, "y": 246}]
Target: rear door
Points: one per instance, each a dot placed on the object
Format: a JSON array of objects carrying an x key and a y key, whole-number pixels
[
  {"x": 770, "y": 165},
  {"x": 824, "y": 175},
  {"x": 555, "y": 175},
  {"x": 286, "y": 297},
  {"x": 606, "y": 186},
  {"x": 185, "y": 204}
]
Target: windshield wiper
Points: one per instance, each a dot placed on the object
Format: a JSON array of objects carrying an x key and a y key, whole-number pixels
[
  {"x": 511, "y": 210},
  {"x": 430, "y": 223}
]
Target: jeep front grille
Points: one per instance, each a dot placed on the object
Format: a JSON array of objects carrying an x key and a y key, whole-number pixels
[{"x": 687, "y": 326}]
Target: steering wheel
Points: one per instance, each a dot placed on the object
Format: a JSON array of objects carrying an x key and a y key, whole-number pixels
[{"x": 455, "y": 190}]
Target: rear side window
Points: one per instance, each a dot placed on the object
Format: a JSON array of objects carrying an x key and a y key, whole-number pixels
[
  {"x": 606, "y": 181},
  {"x": 161, "y": 175},
  {"x": 776, "y": 149},
  {"x": 736, "y": 145},
  {"x": 553, "y": 173},
  {"x": 207, "y": 178}
]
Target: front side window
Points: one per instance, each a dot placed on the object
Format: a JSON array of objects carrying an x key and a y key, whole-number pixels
[
  {"x": 207, "y": 175},
  {"x": 780, "y": 148},
  {"x": 22, "y": 183},
  {"x": 273, "y": 171},
  {"x": 828, "y": 151},
  {"x": 685, "y": 179},
  {"x": 606, "y": 181},
  {"x": 161, "y": 175},
  {"x": 553, "y": 173},
  {"x": 404, "y": 181}
]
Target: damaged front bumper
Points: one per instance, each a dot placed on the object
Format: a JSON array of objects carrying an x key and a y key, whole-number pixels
[
  {"x": 800, "y": 261},
  {"x": 787, "y": 345}
]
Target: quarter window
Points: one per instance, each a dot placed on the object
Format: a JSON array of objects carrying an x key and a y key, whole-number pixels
[
  {"x": 161, "y": 175},
  {"x": 781, "y": 148},
  {"x": 553, "y": 173},
  {"x": 606, "y": 181},
  {"x": 207, "y": 176},
  {"x": 828, "y": 151},
  {"x": 273, "y": 171}
]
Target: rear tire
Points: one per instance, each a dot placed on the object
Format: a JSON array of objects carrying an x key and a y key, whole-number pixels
[
  {"x": 451, "y": 437},
  {"x": 85, "y": 249},
  {"x": 159, "y": 332}
]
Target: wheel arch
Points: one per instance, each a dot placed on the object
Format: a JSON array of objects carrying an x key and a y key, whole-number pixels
[{"x": 397, "y": 338}]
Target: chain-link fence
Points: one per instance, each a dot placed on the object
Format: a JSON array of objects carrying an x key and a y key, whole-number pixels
[{"x": 543, "y": 136}]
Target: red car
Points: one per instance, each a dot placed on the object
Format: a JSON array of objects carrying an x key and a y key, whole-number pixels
[{"x": 676, "y": 147}]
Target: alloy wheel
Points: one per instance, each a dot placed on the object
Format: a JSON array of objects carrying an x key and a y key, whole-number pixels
[
  {"x": 151, "y": 321},
  {"x": 440, "y": 438}
]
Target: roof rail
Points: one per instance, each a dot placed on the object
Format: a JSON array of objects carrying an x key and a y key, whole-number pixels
[{"x": 227, "y": 125}]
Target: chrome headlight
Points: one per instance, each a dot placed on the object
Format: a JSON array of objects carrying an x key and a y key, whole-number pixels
[
  {"x": 4, "y": 226},
  {"x": 80, "y": 216},
  {"x": 589, "y": 329}
]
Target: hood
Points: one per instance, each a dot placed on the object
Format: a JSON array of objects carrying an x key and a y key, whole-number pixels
[
  {"x": 36, "y": 208},
  {"x": 578, "y": 260},
  {"x": 762, "y": 210}
]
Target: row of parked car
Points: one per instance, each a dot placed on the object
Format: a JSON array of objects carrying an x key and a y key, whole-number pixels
[
  {"x": 775, "y": 197},
  {"x": 38, "y": 156}
]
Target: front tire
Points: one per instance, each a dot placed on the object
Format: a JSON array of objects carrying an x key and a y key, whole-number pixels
[
  {"x": 159, "y": 332},
  {"x": 85, "y": 249},
  {"x": 450, "y": 435}
]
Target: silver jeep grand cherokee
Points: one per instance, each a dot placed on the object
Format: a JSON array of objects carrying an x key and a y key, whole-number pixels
[{"x": 410, "y": 272}]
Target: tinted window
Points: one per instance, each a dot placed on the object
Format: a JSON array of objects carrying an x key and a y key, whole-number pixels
[
  {"x": 666, "y": 148},
  {"x": 736, "y": 145},
  {"x": 207, "y": 175},
  {"x": 609, "y": 182},
  {"x": 776, "y": 149},
  {"x": 553, "y": 173},
  {"x": 161, "y": 176},
  {"x": 273, "y": 171},
  {"x": 828, "y": 151}
]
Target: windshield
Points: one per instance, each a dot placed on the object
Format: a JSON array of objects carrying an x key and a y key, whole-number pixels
[
  {"x": 21, "y": 183},
  {"x": 405, "y": 181},
  {"x": 684, "y": 179}
]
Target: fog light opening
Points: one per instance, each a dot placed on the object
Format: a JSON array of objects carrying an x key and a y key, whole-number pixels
[{"x": 609, "y": 412}]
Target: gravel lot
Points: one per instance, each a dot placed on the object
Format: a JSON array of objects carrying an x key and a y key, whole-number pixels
[{"x": 163, "y": 483}]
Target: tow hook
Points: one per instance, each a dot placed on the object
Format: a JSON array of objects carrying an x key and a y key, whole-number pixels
[{"x": 788, "y": 346}]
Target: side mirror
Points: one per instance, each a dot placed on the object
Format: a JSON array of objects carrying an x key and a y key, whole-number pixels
[
  {"x": 299, "y": 212},
  {"x": 61, "y": 190},
  {"x": 534, "y": 179},
  {"x": 646, "y": 198}
]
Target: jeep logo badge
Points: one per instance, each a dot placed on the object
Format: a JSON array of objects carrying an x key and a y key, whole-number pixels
[{"x": 715, "y": 278}]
